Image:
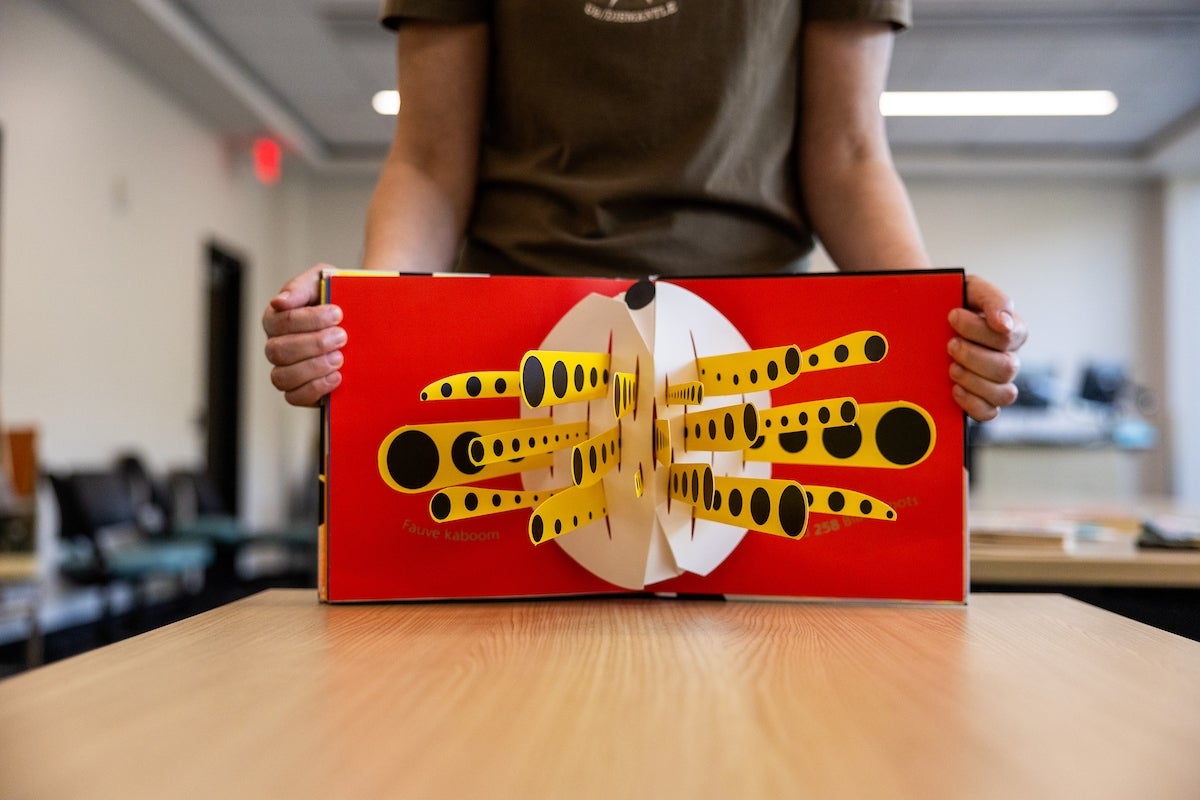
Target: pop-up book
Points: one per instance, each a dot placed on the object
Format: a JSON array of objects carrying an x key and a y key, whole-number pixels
[{"x": 789, "y": 436}]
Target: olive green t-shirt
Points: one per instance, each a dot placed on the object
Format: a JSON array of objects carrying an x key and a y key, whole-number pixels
[{"x": 635, "y": 137}]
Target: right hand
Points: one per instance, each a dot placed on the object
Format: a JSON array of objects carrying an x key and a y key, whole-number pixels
[{"x": 304, "y": 342}]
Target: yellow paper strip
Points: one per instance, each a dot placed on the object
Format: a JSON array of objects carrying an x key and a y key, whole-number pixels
[
  {"x": 662, "y": 442},
  {"x": 830, "y": 500},
  {"x": 552, "y": 377},
  {"x": 474, "y": 385},
  {"x": 526, "y": 441},
  {"x": 591, "y": 460},
  {"x": 749, "y": 371},
  {"x": 777, "y": 507},
  {"x": 624, "y": 395},
  {"x": 732, "y": 427},
  {"x": 895, "y": 435},
  {"x": 465, "y": 502},
  {"x": 690, "y": 393},
  {"x": 418, "y": 458},
  {"x": 691, "y": 484},
  {"x": 567, "y": 511},
  {"x": 853, "y": 349}
]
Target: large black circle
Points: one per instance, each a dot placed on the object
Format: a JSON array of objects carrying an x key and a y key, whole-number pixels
[
  {"x": 793, "y": 510},
  {"x": 842, "y": 441},
  {"x": 750, "y": 421},
  {"x": 536, "y": 529},
  {"x": 558, "y": 379},
  {"x": 577, "y": 467},
  {"x": 440, "y": 506},
  {"x": 413, "y": 459},
  {"x": 533, "y": 382},
  {"x": 793, "y": 442},
  {"x": 875, "y": 348},
  {"x": 459, "y": 455},
  {"x": 640, "y": 295},
  {"x": 791, "y": 361},
  {"x": 760, "y": 506},
  {"x": 903, "y": 436},
  {"x": 735, "y": 502},
  {"x": 474, "y": 386}
]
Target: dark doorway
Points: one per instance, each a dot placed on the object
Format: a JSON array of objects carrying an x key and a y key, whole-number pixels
[{"x": 223, "y": 407}]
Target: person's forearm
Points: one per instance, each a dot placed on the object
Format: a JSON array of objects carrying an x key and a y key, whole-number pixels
[
  {"x": 861, "y": 214},
  {"x": 414, "y": 224},
  {"x": 421, "y": 205},
  {"x": 854, "y": 198}
]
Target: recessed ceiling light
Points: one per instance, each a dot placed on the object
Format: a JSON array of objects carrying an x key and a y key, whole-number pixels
[
  {"x": 998, "y": 104},
  {"x": 386, "y": 102}
]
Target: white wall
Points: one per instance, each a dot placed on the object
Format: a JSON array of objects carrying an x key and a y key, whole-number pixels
[
  {"x": 1081, "y": 256},
  {"x": 110, "y": 192},
  {"x": 1182, "y": 246},
  {"x": 321, "y": 222}
]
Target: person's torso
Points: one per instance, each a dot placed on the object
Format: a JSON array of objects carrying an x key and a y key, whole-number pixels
[{"x": 640, "y": 137}]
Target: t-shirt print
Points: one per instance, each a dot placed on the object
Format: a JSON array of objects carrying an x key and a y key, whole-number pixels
[{"x": 631, "y": 11}]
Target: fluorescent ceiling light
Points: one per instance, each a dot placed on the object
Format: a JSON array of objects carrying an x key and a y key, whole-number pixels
[
  {"x": 998, "y": 104},
  {"x": 386, "y": 102}
]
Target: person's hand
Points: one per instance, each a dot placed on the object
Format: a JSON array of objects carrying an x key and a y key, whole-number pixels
[
  {"x": 303, "y": 340},
  {"x": 984, "y": 351}
]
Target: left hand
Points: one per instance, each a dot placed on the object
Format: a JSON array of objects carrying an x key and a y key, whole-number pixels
[{"x": 984, "y": 351}]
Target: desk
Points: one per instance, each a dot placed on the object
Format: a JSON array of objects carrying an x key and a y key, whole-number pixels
[
  {"x": 1113, "y": 560},
  {"x": 20, "y": 595},
  {"x": 1086, "y": 564},
  {"x": 1031, "y": 696},
  {"x": 18, "y": 567}
]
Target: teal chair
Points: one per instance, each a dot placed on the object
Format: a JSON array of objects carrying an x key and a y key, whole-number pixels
[
  {"x": 103, "y": 544},
  {"x": 251, "y": 557}
]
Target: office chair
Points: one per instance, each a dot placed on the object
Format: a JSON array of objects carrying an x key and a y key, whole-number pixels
[
  {"x": 245, "y": 556},
  {"x": 105, "y": 545}
]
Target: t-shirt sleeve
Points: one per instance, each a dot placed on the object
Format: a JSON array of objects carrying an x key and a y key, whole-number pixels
[
  {"x": 896, "y": 12},
  {"x": 395, "y": 12}
]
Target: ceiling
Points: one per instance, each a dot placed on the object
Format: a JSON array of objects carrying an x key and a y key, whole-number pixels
[{"x": 305, "y": 70}]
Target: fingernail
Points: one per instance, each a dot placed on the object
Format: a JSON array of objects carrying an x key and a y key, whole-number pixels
[
  {"x": 337, "y": 337},
  {"x": 1006, "y": 321}
]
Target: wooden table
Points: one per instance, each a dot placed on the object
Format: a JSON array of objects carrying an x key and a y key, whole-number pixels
[{"x": 1029, "y": 696}]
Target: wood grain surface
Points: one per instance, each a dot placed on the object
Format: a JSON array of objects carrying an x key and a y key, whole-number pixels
[{"x": 1024, "y": 696}]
